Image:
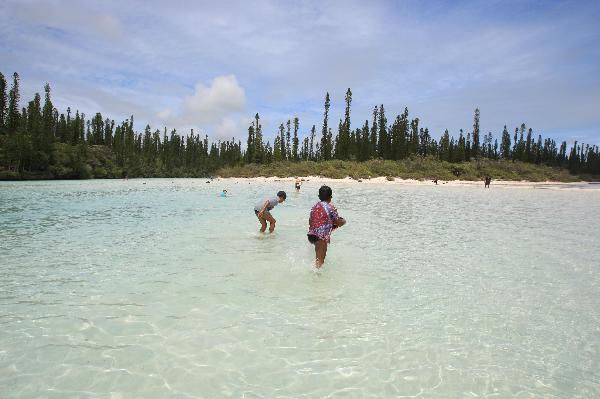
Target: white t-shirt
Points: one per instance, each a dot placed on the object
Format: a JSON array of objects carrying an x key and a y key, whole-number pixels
[{"x": 273, "y": 201}]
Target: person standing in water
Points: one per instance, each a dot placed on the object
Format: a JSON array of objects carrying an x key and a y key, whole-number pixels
[
  {"x": 487, "y": 182},
  {"x": 297, "y": 184},
  {"x": 262, "y": 211},
  {"x": 323, "y": 220}
]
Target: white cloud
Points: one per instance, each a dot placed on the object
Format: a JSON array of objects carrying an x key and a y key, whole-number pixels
[
  {"x": 228, "y": 128},
  {"x": 108, "y": 25},
  {"x": 165, "y": 114},
  {"x": 518, "y": 62},
  {"x": 214, "y": 102},
  {"x": 215, "y": 108}
]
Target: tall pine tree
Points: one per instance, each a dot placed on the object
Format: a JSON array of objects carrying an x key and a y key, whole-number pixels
[
  {"x": 374, "y": 145},
  {"x": 383, "y": 140},
  {"x": 343, "y": 145},
  {"x": 259, "y": 150},
  {"x": 475, "y": 149},
  {"x": 13, "y": 119},
  {"x": 282, "y": 142},
  {"x": 311, "y": 149},
  {"x": 288, "y": 150},
  {"x": 3, "y": 104},
  {"x": 295, "y": 141},
  {"x": 250, "y": 145},
  {"x": 505, "y": 144},
  {"x": 326, "y": 144}
]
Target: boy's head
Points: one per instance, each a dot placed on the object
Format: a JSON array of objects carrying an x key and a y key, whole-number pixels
[
  {"x": 282, "y": 196},
  {"x": 325, "y": 193}
]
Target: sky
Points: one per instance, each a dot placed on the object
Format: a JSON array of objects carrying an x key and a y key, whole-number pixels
[{"x": 212, "y": 66}]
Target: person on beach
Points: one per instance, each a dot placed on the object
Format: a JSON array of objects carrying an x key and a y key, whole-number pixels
[
  {"x": 487, "y": 182},
  {"x": 323, "y": 220},
  {"x": 262, "y": 211},
  {"x": 297, "y": 184}
]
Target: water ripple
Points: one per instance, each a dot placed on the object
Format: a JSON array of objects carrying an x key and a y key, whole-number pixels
[{"x": 124, "y": 289}]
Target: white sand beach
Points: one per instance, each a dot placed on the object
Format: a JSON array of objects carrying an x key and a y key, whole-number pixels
[{"x": 552, "y": 185}]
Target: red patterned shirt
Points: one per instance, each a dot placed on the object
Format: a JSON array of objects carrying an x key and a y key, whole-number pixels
[{"x": 320, "y": 223}]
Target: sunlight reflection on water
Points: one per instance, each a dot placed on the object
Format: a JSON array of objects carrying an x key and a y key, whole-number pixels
[{"x": 166, "y": 290}]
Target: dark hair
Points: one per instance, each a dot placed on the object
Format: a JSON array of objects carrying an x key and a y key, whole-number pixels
[
  {"x": 325, "y": 193},
  {"x": 282, "y": 194}
]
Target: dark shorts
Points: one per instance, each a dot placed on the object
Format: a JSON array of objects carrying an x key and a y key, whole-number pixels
[
  {"x": 297, "y": 187},
  {"x": 312, "y": 238}
]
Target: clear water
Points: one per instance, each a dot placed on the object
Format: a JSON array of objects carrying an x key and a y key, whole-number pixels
[{"x": 161, "y": 289}]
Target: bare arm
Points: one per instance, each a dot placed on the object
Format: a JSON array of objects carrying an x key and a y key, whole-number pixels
[
  {"x": 266, "y": 204},
  {"x": 339, "y": 222}
]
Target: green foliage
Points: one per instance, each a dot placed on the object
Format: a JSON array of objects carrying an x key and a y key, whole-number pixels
[
  {"x": 344, "y": 142},
  {"x": 415, "y": 167},
  {"x": 3, "y": 104},
  {"x": 326, "y": 147},
  {"x": 13, "y": 117},
  {"x": 475, "y": 148},
  {"x": 38, "y": 142},
  {"x": 295, "y": 141}
]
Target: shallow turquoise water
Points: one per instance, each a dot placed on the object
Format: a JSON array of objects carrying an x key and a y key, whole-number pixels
[{"x": 120, "y": 289}]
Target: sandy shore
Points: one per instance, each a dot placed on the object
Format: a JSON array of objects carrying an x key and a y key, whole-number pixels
[{"x": 397, "y": 181}]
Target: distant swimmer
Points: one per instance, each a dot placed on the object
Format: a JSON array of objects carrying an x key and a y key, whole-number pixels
[
  {"x": 323, "y": 220},
  {"x": 262, "y": 211},
  {"x": 223, "y": 194},
  {"x": 488, "y": 180},
  {"x": 297, "y": 184}
]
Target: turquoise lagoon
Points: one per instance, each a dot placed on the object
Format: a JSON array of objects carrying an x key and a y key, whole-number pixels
[{"x": 158, "y": 288}]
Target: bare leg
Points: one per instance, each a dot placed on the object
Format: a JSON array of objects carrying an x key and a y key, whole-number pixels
[
  {"x": 268, "y": 217},
  {"x": 263, "y": 224},
  {"x": 320, "y": 253}
]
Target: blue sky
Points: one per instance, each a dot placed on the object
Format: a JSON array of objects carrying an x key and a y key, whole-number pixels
[{"x": 212, "y": 65}]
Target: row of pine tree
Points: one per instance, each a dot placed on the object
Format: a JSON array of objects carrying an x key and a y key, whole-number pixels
[{"x": 30, "y": 137}]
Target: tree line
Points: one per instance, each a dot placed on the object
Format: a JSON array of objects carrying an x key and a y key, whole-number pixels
[{"x": 39, "y": 138}]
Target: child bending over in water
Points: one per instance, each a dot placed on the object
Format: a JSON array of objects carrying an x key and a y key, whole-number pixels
[
  {"x": 262, "y": 208},
  {"x": 323, "y": 220}
]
